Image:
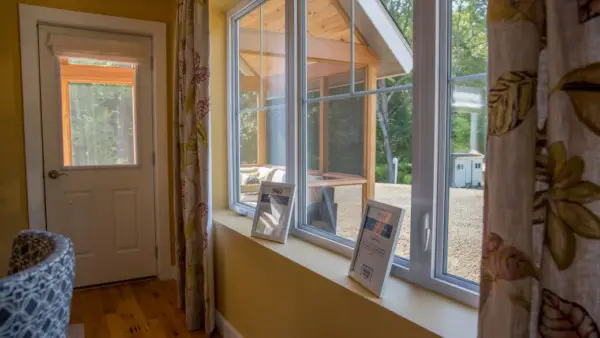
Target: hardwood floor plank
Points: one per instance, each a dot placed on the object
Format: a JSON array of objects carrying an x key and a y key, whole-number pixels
[
  {"x": 93, "y": 315},
  {"x": 147, "y": 299},
  {"x": 172, "y": 318},
  {"x": 131, "y": 316},
  {"x": 115, "y": 326},
  {"x": 109, "y": 298},
  {"x": 138, "y": 309},
  {"x": 157, "y": 328}
]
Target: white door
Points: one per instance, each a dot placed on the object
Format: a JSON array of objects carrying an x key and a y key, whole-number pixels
[
  {"x": 459, "y": 173},
  {"x": 476, "y": 173},
  {"x": 468, "y": 172},
  {"x": 98, "y": 150}
]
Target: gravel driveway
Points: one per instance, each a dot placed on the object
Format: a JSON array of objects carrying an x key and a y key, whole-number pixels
[{"x": 465, "y": 222}]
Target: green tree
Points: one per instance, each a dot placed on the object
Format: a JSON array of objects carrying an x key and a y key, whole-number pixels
[
  {"x": 102, "y": 130},
  {"x": 248, "y": 128},
  {"x": 394, "y": 113},
  {"x": 469, "y": 38}
]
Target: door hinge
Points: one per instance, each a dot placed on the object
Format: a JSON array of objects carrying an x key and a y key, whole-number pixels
[
  {"x": 153, "y": 158},
  {"x": 156, "y": 252}
]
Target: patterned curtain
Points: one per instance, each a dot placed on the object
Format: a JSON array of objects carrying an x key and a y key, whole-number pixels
[
  {"x": 192, "y": 167},
  {"x": 541, "y": 256}
]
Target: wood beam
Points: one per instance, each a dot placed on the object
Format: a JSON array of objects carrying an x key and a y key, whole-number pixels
[
  {"x": 336, "y": 182},
  {"x": 313, "y": 71},
  {"x": 317, "y": 48},
  {"x": 66, "y": 124},
  {"x": 320, "y": 69},
  {"x": 370, "y": 125},
  {"x": 246, "y": 69},
  {"x": 261, "y": 116},
  {"x": 323, "y": 140}
]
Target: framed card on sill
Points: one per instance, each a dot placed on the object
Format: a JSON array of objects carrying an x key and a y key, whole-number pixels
[
  {"x": 376, "y": 245},
  {"x": 273, "y": 211}
]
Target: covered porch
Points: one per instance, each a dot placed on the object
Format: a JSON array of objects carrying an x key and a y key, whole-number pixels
[{"x": 340, "y": 140}]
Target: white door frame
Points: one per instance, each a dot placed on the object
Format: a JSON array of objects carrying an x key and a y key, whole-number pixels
[{"x": 29, "y": 18}]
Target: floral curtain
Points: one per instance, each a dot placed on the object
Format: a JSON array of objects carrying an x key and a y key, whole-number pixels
[
  {"x": 192, "y": 167},
  {"x": 541, "y": 256}
]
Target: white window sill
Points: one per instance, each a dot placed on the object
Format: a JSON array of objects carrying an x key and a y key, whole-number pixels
[{"x": 432, "y": 311}]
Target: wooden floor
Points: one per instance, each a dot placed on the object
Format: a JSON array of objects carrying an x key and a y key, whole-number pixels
[{"x": 145, "y": 308}]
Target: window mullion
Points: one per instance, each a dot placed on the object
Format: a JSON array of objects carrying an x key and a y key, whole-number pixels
[
  {"x": 292, "y": 93},
  {"x": 352, "y": 46},
  {"x": 301, "y": 106},
  {"x": 261, "y": 96}
]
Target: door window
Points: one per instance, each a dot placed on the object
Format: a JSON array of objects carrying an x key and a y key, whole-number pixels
[{"x": 98, "y": 112}]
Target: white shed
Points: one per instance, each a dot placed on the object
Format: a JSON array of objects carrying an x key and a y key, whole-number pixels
[{"x": 467, "y": 170}]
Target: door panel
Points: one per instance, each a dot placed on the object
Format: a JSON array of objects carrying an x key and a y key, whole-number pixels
[
  {"x": 98, "y": 145},
  {"x": 125, "y": 205},
  {"x": 80, "y": 206}
]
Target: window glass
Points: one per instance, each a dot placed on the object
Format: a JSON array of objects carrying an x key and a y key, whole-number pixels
[
  {"x": 336, "y": 165},
  {"x": 394, "y": 156},
  {"x": 337, "y": 184},
  {"x": 98, "y": 116},
  {"x": 261, "y": 59},
  {"x": 401, "y": 12},
  {"x": 248, "y": 138},
  {"x": 328, "y": 47},
  {"x": 273, "y": 49},
  {"x": 466, "y": 170},
  {"x": 466, "y": 136},
  {"x": 93, "y": 62},
  {"x": 468, "y": 37},
  {"x": 262, "y": 122},
  {"x": 357, "y": 148},
  {"x": 314, "y": 124}
]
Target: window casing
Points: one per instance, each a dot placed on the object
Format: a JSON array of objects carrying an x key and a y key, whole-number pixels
[{"x": 303, "y": 103}]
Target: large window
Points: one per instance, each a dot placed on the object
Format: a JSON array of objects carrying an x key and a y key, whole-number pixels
[{"x": 349, "y": 115}]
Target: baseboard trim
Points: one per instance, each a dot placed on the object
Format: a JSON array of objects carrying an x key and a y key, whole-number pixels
[
  {"x": 168, "y": 273},
  {"x": 225, "y": 328}
]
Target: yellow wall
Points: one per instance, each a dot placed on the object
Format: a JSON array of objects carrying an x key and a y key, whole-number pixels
[
  {"x": 218, "y": 106},
  {"x": 264, "y": 294},
  {"x": 13, "y": 193}
]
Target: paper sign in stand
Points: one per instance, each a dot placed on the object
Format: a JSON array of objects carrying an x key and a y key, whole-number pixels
[{"x": 376, "y": 245}]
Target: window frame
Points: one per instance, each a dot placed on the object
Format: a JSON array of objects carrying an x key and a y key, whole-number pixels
[
  {"x": 429, "y": 196},
  {"x": 233, "y": 91}
]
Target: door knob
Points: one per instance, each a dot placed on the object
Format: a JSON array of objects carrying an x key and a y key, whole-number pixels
[{"x": 54, "y": 174}]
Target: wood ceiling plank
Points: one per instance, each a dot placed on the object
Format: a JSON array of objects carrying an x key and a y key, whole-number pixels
[
  {"x": 317, "y": 48},
  {"x": 325, "y": 19},
  {"x": 313, "y": 71},
  {"x": 342, "y": 14}
]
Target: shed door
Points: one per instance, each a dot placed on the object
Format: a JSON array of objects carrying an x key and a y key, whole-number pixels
[{"x": 459, "y": 173}]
